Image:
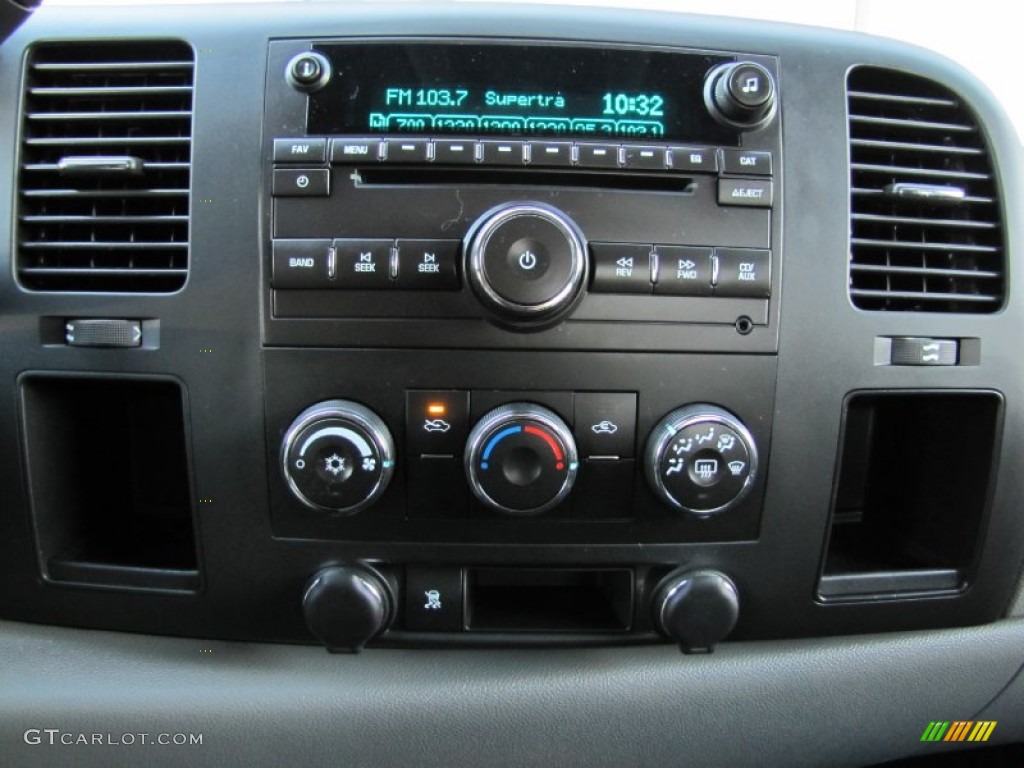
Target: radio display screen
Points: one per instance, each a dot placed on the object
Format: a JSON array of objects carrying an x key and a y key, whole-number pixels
[{"x": 487, "y": 89}]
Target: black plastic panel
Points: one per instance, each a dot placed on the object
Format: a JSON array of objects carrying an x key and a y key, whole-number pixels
[{"x": 251, "y": 359}]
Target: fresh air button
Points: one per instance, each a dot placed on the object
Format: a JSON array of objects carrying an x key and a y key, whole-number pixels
[
  {"x": 301, "y": 263},
  {"x": 700, "y": 159},
  {"x": 300, "y": 150},
  {"x": 362, "y": 263},
  {"x": 454, "y": 152},
  {"x": 621, "y": 268},
  {"x": 743, "y": 272},
  {"x": 503, "y": 152},
  {"x": 406, "y": 150},
  {"x": 314, "y": 182},
  {"x": 753, "y": 193},
  {"x": 598, "y": 155},
  {"x": 741, "y": 161},
  {"x": 683, "y": 270},
  {"x": 433, "y": 599},
  {"x": 436, "y": 422},
  {"x": 644, "y": 158},
  {"x": 347, "y": 151},
  {"x": 428, "y": 265},
  {"x": 556, "y": 153},
  {"x": 605, "y": 424}
]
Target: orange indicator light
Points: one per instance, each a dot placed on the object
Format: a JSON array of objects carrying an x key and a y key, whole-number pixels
[{"x": 436, "y": 409}]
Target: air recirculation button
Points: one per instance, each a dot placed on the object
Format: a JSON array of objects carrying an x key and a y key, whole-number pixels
[{"x": 338, "y": 456}]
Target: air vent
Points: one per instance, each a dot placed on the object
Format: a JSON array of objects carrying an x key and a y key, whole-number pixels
[
  {"x": 105, "y": 161},
  {"x": 925, "y": 219}
]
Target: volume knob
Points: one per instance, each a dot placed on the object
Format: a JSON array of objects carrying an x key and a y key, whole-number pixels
[{"x": 527, "y": 263}]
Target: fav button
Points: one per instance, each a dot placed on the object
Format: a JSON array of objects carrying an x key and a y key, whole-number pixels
[
  {"x": 300, "y": 150},
  {"x": 362, "y": 263}
]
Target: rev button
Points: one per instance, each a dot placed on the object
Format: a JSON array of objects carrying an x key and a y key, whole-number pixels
[{"x": 621, "y": 268}]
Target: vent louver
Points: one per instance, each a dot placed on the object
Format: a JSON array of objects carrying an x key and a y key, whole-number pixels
[
  {"x": 925, "y": 230},
  {"x": 105, "y": 167}
]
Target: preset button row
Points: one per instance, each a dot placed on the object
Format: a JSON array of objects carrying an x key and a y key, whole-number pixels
[
  {"x": 366, "y": 264},
  {"x": 681, "y": 270}
]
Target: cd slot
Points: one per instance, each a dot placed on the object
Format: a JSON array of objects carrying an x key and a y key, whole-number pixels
[{"x": 458, "y": 176}]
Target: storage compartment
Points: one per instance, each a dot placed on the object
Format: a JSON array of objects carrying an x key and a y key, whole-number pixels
[
  {"x": 108, "y": 473},
  {"x": 914, "y": 482},
  {"x": 549, "y": 600}
]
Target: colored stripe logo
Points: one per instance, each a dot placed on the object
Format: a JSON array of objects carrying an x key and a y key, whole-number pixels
[{"x": 958, "y": 730}]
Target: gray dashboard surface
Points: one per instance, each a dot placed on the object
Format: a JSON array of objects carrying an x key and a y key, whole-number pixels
[{"x": 810, "y": 702}]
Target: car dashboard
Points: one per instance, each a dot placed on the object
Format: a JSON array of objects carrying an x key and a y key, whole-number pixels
[{"x": 598, "y": 387}]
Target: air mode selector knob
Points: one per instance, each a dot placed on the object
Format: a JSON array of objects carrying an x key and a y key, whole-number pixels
[
  {"x": 526, "y": 263},
  {"x": 521, "y": 459},
  {"x": 740, "y": 95},
  {"x": 338, "y": 456},
  {"x": 700, "y": 459}
]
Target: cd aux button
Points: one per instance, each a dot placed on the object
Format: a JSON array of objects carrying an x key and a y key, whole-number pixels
[{"x": 743, "y": 272}]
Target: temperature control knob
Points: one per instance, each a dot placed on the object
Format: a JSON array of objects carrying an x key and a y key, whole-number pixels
[
  {"x": 740, "y": 95},
  {"x": 700, "y": 459},
  {"x": 338, "y": 456},
  {"x": 521, "y": 459},
  {"x": 527, "y": 263}
]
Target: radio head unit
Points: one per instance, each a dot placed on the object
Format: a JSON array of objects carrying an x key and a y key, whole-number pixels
[{"x": 545, "y": 187}]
